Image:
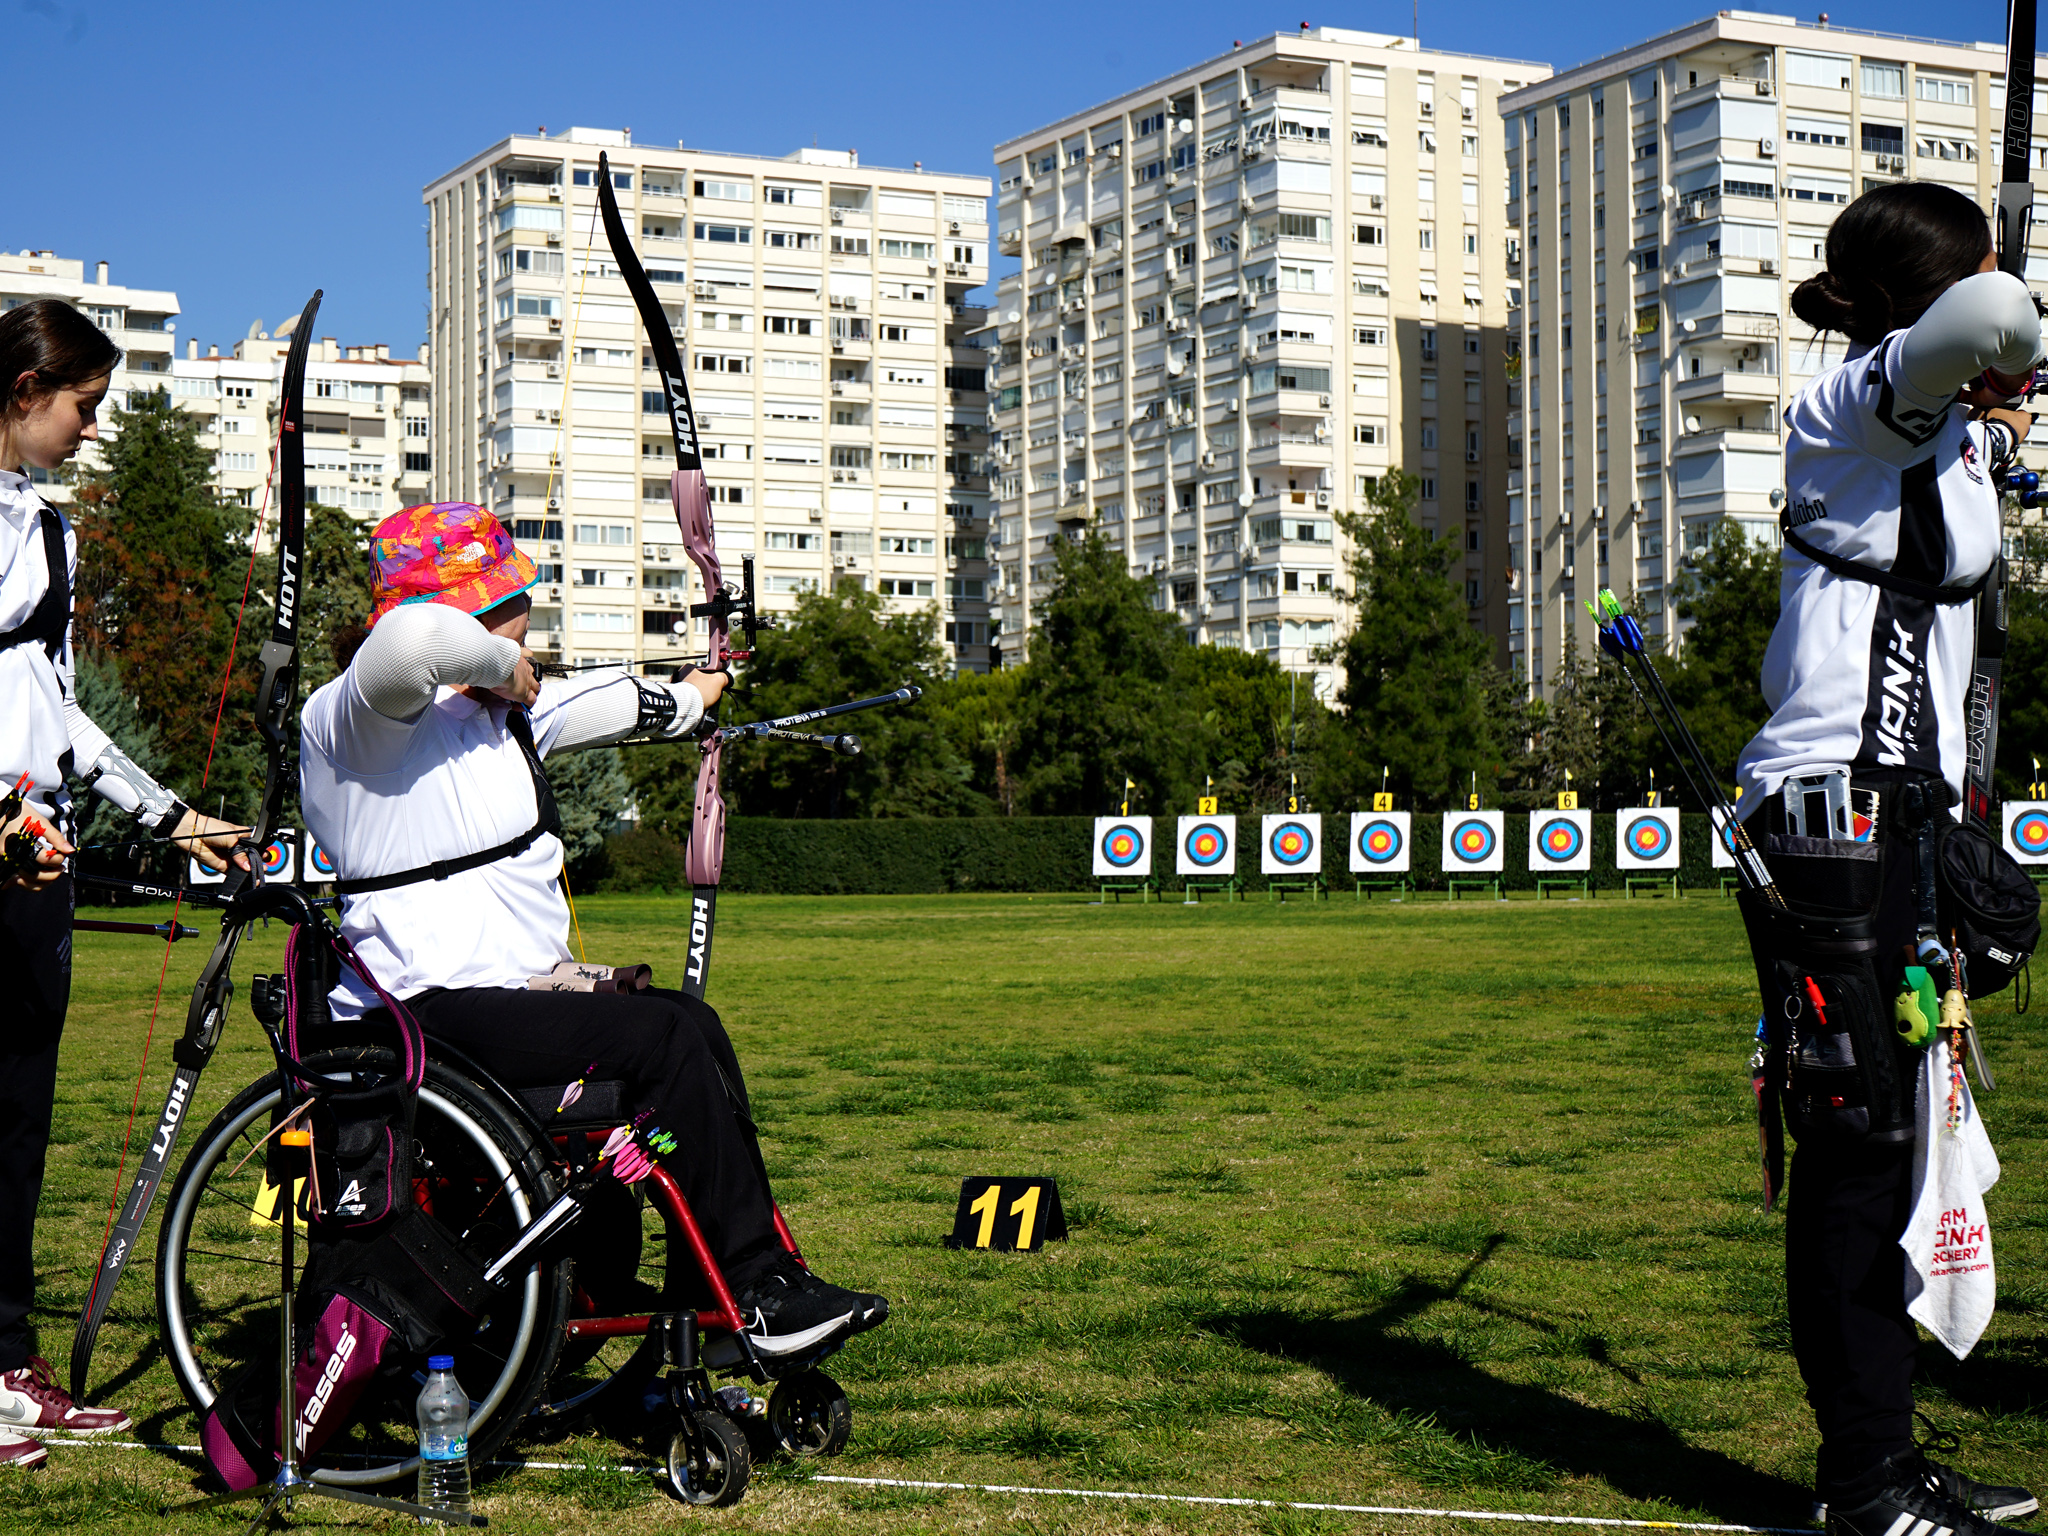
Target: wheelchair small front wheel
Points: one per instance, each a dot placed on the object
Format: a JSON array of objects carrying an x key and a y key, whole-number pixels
[
  {"x": 714, "y": 1470},
  {"x": 809, "y": 1416}
]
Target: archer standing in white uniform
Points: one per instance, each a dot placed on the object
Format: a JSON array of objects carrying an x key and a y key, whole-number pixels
[
  {"x": 1891, "y": 528},
  {"x": 421, "y": 775},
  {"x": 56, "y": 364}
]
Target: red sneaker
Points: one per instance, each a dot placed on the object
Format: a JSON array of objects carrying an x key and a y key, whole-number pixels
[
  {"x": 20, "y": 1451},
  {"x": 31, "y": 1399}
]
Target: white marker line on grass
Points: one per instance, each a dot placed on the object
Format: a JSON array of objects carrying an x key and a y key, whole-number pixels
[
  {"x": 1339, "y": 1509},
  {"x": 1115, "y": 1493}
]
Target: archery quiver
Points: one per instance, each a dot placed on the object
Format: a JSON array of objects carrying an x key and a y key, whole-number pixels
[{"x": 1831, "y": 1054}]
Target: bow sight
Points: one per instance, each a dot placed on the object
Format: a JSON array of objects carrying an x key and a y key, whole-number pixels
[{"x": 729, "y": 603}]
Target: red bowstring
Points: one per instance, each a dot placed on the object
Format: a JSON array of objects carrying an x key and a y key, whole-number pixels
[{"x": 178, "y": 901}]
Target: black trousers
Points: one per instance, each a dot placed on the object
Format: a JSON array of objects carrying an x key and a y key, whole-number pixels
[
  {"x": 35, "y": 957},
  {"x": 676, "y": 1055},
  {"x": 1845, "y": 1290},
  {"x": 1845, "y": 1278}
]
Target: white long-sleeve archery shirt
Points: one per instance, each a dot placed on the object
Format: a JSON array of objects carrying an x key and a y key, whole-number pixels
[
  {"x": 1883, "y": 468},
  {"x": 398, "y": 768}
]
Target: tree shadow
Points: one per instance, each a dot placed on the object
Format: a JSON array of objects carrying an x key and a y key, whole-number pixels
[{"x": 1639, "y": 1457}]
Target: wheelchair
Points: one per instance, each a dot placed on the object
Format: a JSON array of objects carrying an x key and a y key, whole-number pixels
[{"x": 630, "y": 1292}]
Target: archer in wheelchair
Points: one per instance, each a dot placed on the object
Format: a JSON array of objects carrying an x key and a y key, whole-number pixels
[{"x": 504, "y": 1142}]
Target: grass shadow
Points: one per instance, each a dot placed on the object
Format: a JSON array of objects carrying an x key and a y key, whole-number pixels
[{"x": 1450, "y": 1420}]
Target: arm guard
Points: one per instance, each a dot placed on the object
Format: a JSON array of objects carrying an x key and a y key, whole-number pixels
[{"x": 115, "y": 778}]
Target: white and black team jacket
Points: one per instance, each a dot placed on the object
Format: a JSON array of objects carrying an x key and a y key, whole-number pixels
[{"x": 1883, "y": 468}]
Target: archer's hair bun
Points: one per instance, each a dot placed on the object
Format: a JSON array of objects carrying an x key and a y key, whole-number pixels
[
  {"x": 1861, "y": 309},
  {"x": 1822, "y": 303}
]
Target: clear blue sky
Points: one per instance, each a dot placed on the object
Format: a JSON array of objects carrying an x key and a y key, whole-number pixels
[{"x": 244, "y": 154}]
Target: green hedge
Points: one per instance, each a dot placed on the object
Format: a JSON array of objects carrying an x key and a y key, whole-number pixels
[{"x": 1049, "y": 853}]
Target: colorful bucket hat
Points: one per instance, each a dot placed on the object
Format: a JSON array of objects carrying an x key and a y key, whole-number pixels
[{"x": 451, "y": 552}]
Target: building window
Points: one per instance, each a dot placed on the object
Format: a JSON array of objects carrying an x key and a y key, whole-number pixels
[
  {"x": 419, "y": 463},
  {"x": 1886, "y": 80}
]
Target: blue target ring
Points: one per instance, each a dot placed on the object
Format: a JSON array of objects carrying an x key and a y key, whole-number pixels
[
  {"x": 1560, "y": 840},
  {"x": 1472, "y": 842},
  {"x": 1122, "y": 847},
  {"x": 1291, "y": 843},
  {"x": 1646, "y": 838},
  {"x": 2030, "y": 833},
  {"x": 1205, "y": 845},
  {"x": 319, "y": 862},
  {"x": 1380, "y": 842},
  {"x": 275, "y": 856}
]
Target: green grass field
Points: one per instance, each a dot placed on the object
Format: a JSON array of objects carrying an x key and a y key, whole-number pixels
[{"x": 1398, "y": 1204}]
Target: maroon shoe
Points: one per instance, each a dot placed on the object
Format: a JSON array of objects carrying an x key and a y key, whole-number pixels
[
  {"x": 20, "y": 1451},
  {"x": 31, "y": 1399}
]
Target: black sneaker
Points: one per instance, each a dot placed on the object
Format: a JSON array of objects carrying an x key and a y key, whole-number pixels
[
  {"x": 1994, "y": 1501},
  {"x": 790, "y": 1311},
  {"x": 1991, "y": 1500},
  {"x": 1911, "y": 1501}
]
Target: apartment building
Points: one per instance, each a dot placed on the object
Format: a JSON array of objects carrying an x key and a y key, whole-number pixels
[
  {"x": 1667, "y": 199},
  {"x": 1246, "y": 289},
  {"x": 368, "y": 417},
  {"x": 820, "y": 306},
  {"x": 142, "y": 322}
]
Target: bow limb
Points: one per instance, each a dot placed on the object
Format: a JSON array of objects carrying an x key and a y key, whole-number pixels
[{"x": 691, "y": 498}]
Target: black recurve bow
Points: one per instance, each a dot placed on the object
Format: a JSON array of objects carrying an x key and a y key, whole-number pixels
[
  {"x": 276, "y": 719},
  {"x": 691, "y": 498}
]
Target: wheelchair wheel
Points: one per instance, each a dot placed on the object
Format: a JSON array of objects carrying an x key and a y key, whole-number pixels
[
  {"x": 809, "y": 1416},
  {"x": 217, "y": 1266},
  {"x": 715, "y": 1472}
]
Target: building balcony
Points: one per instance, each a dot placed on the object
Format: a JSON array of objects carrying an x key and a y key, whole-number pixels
[
  {"x": 1713, "y": 439},
  {"x": 1725, "y": 88},
  {"x": 1730, "y": 386}
]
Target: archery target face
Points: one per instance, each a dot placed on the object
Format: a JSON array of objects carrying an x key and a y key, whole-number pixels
[
  {"x": 1560, "y": 841},
  {"x": 1379, "y": 842},
  {"x": 315, "y": 867},
  {"x": 1645, "y": 837},
  {"x": 1291, "y": 844},
  {"x": 279, "y": 859},
  {"x": 2026, "y": 830},
  {"x": 1207, "y": 845},
  {"x": 197, "y": 873},
  {"x": 1724, "y": 856},
  {"x": 1123, "y": 847},
  {"x": 1472, "y": 842}
]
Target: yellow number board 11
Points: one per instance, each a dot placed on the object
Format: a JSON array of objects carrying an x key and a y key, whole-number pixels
[{"x": 1008, "y": 1215}]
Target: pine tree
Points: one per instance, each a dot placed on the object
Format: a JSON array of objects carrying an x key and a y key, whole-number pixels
[
  {"x": 1417, "y": 674},
  {"x": 1105, "y": 693}
]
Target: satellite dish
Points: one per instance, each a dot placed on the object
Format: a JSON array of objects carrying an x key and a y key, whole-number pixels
[
  {"x": 1777, "y": 497},
  {"x": 1692, "y": 423},
  {"x": 1244, "y": 499},
  {"x": 1185, "y": 125}
]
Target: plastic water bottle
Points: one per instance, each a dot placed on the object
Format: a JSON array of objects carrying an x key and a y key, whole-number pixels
[{"x": 444, "y": 1437}]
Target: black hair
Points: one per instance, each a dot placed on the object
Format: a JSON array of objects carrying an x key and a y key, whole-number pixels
[
  {"x": 52, "y": 340},
  {"x": 1891, "y": 253}
]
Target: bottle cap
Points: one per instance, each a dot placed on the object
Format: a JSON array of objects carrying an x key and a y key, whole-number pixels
[{"x": 440, "y": 1362}]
